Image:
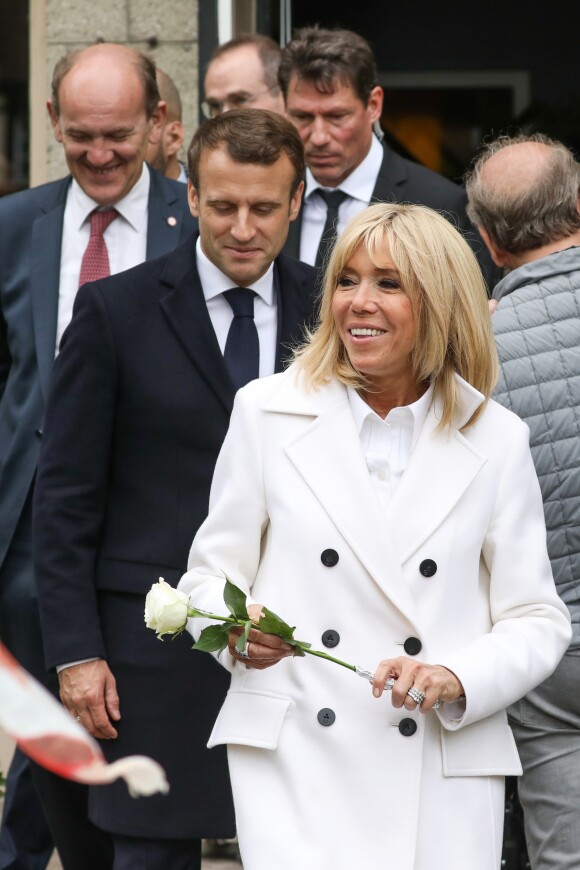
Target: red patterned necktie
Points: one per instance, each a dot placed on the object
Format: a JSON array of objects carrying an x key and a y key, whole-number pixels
[{"x": 95, "y": 262}]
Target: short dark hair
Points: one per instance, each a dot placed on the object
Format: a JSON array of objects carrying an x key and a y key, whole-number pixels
[
  {"x": 327, "y": 56},
  {"x": 268, "y": 50},
  {"x": 519, "y": 219},
  {"x": 144, "y": 66},
  {"x": 250, "y": 136}
]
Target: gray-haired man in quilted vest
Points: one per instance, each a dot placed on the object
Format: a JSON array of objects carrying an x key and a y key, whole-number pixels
[{"x": 524, "y": 199}]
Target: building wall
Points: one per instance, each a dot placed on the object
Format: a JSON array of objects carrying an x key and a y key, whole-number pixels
[
  {"x": 6, "y": 750},
  {"x": 166, "y": 30}
]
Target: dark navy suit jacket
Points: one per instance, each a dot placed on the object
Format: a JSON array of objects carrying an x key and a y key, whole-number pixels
[{"x": 140, "y": 404}]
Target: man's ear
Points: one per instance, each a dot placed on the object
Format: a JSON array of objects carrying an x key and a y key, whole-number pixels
[
  {"x": 192, "y": 199},
  {"x": 296, "y": 201},
  {"x": 498, "y": 255},
  {"x": 174, "y": 134},
  {"x": 375, "y": 103},
  {"x": 54, "y": 120},
  {"x": 157, "y": 122}
]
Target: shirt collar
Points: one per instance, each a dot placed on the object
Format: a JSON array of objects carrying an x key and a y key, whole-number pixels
[
  {"x": 214, "y": 281},
  {"x": 415, "y": 413},
  {"x": 133, "y": 206},
  {"x": 361, "y": 181}
]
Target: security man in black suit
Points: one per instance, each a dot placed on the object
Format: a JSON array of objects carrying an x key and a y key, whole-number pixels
[{"x": 329, "y": 82}]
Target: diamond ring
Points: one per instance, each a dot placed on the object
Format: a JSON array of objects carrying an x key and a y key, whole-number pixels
[{"x": 417, "y": 695}]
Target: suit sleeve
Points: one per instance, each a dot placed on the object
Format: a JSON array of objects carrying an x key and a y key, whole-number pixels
[
  {"x": 531, "y": 625},
  {"x": 5, "y": 355},
  {"x": 72, "y": 481},
  {"x": 5, "y": 358}
]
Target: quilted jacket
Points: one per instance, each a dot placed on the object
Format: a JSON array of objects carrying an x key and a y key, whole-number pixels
[{"x": 537, "y": 330}]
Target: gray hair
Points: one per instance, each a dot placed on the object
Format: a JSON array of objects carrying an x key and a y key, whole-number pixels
[{"x": 523, "y": 218}]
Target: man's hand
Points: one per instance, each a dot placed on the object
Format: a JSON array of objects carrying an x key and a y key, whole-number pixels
[{"x": 89, "y": 692}]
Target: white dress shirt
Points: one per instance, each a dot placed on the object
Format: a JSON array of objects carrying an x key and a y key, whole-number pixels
[
  {"x": 387, "y": 444},
  {"x": 125, "y": 237},
  {"x": 359, "y": 188},
  {"x": 214, "y": 283}
]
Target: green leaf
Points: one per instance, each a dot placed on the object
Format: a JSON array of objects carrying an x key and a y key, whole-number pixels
[
  {"x": 300, "y": 646},
  {"x": 273, "y": 624},
  {"x": 235, "y": 600},
  {"x": 213, "y": 638},
  {"x": 243, "y": 638}
]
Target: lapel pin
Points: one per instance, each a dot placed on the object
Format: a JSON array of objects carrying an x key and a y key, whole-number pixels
[{"x": 172, "y": 221}]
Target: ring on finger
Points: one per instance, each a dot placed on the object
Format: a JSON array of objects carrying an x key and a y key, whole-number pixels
[
  {"x": 417, "y": 695},
  {"x": 245, "y": 653},
  {"x": 77, "y": 718}
]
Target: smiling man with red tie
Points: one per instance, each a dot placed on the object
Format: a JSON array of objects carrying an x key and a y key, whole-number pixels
[{"x": 112, "y": 212}]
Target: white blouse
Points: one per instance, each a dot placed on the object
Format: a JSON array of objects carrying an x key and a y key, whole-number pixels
[{"x": 387, "y": 444}]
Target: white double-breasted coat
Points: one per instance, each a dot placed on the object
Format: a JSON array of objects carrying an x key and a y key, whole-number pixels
[{"x": 324, "y": 774}]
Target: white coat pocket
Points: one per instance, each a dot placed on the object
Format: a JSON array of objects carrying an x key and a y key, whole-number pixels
[{"x": 251, "y": 718}]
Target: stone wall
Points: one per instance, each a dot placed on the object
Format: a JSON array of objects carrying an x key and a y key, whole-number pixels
[
  {"x": 166, "y": 30},
  {"x": 6, "y": 750}
]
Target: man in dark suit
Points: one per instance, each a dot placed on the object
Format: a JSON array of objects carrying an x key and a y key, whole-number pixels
[
  {"x": 104, "y": 108},
  {"x": 329, "y": 82},
  {"x": 140, "y": 403}
]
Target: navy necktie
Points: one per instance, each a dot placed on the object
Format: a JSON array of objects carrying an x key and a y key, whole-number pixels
[
  {"x": 333, "y": 199},
  {"x": 242, "y": 351}
]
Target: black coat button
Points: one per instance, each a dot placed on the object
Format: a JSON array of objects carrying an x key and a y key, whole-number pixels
[
  {"x": 407, "y": 727},
  {"x": 412, "y": 646},
  {"x": 38, "y": 433},
  {"x": 329, "y": 558},
  {"x": 326, "y": 716},
  {"x": 330, "y": 638},
  {"x": 428, "y": 567}
]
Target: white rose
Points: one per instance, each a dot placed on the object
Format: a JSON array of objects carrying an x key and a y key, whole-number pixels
[{"x": 165, "y": 609}]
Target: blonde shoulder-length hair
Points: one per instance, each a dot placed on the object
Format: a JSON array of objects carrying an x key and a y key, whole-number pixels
[{"x": 442, "y": 278}]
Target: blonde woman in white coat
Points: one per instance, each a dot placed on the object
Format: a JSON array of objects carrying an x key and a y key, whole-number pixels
[{"x": 374, "y": 497}]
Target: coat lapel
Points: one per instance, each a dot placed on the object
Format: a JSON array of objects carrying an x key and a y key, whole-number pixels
[
  {"x": 185, "y": 308},
  {"x": 45, "y": 251},
  {"x": 294, "y": 298},
  {"x": 327, "y": 454},
  {"x": 165, "y": 217},
  {"x": 391, "y": 178},
  {"x": 440, "y": 470}
]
